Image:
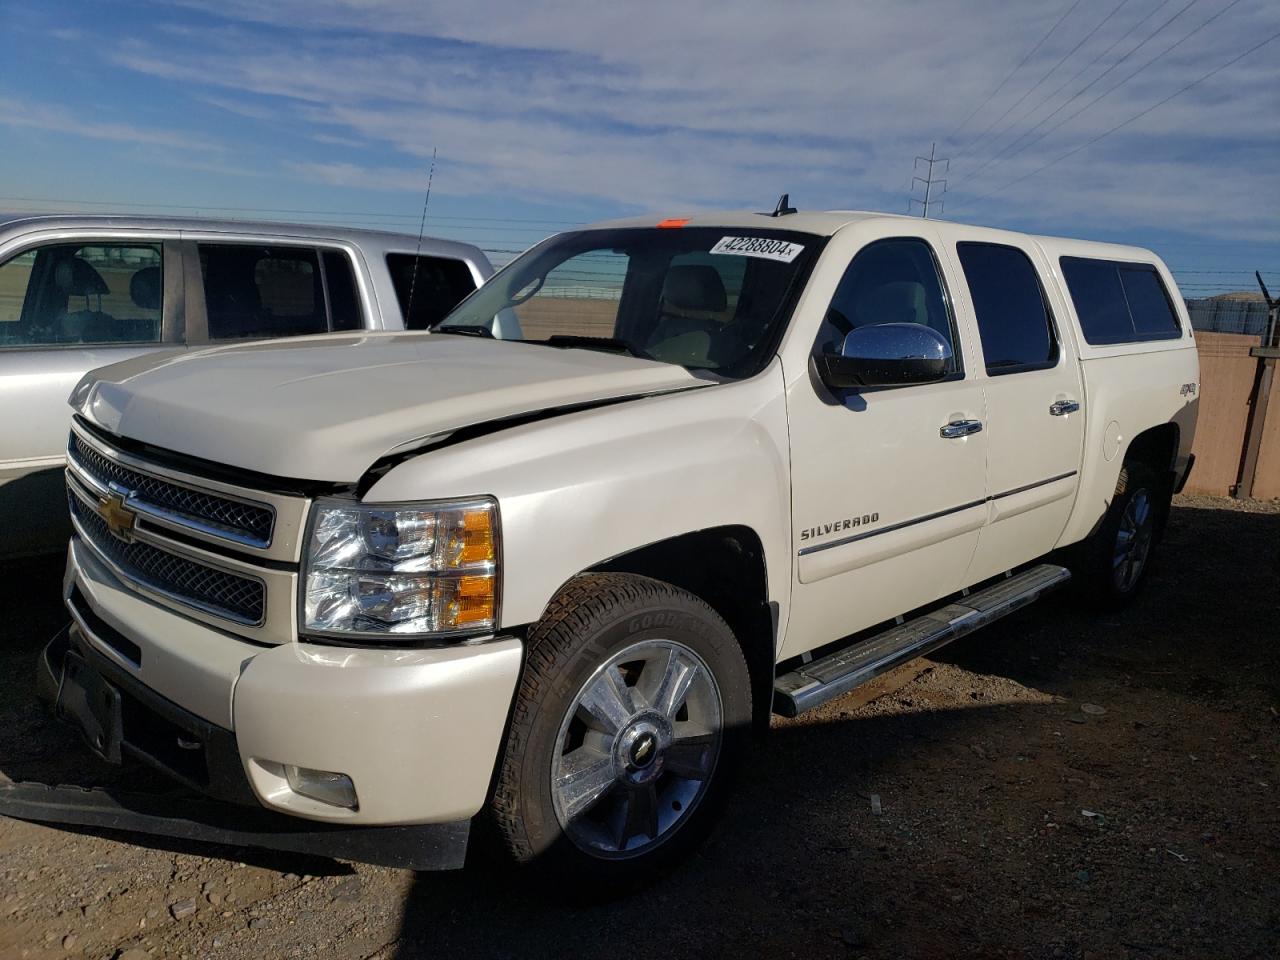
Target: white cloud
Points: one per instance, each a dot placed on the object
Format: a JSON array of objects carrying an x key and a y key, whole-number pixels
[
  {"x": 669, "y": 103},
  {"x": 44, "y": 116}
]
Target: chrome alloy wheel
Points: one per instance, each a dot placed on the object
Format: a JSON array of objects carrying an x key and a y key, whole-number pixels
[
  {"x": 637, "y": 749},
  {"x": 1133, "y": 541}
]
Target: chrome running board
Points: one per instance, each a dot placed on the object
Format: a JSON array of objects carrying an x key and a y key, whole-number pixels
[{"x": 813, "y": 684}]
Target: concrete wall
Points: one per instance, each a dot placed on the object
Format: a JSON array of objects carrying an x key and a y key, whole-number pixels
[{"x": 1226, "y": 377}]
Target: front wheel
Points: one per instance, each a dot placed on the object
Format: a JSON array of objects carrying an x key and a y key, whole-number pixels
[{"x": 632, "y": 712}]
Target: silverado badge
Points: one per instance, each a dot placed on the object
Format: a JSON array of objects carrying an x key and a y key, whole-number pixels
[{"x": 118, "y": 518}]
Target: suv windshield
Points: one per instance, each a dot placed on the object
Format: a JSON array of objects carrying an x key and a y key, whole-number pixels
[{"x": 704, "y": 298}]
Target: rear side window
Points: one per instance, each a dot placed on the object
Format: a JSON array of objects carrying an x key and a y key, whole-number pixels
[
  {"x": 1153, "y": 317},
  {"x": 82, "y": 293},
  {"x": 1119, "y": 302},
  {"x": 256, "y": 291},
  {"x": 344, "y": 305},
  {"x": 253, "y": 291},
  {"x": 1013, "y": 318},
  {"x": 428, "y": 287}
]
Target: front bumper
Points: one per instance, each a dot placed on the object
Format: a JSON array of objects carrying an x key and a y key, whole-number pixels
[{"x": 417, "y": 730}]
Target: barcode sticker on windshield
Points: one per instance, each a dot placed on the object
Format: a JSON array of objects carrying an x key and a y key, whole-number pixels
[{"x": 759, "y": 247}]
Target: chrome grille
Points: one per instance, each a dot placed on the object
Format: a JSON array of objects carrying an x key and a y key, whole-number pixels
[
  {"x": 242, "y": 519},
  {"x": 195, "y": 584}
]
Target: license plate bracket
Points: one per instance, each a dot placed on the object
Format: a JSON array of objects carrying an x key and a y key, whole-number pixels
[{"x": 92, "y": 705}]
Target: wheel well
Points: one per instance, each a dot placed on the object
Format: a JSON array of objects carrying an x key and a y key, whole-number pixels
[
  {"x": 725, "y": 567},
  {"x": 1157, "y": 447}
]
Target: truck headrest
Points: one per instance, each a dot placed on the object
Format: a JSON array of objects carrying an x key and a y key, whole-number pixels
[
  {"x": 694, "y": 287},
  {"x": 144, "y": 288},
  {"x": 77, "y": 277}
]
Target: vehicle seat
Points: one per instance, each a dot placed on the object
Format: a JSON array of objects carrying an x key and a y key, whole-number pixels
[
  {"x": 234, "y": 306},
  {"x": 77, "y": 277},
  {"x": 690, "y": 327}
]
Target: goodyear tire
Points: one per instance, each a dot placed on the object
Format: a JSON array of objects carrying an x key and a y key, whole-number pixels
[{"x": 633, "y": 710}]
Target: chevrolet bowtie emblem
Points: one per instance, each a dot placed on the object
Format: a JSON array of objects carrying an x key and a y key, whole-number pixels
[{"x": 118, "y": 518}]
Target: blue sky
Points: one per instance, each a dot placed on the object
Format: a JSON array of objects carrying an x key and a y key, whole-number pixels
[{"x": 549, "y": 114}]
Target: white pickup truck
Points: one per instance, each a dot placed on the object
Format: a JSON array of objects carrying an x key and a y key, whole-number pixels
[{"x": 552, "y": 561}]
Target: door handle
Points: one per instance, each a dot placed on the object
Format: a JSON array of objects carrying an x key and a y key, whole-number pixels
[
  {"x": 1060, "y": 408},
  {"x": 960, "y": 428}
]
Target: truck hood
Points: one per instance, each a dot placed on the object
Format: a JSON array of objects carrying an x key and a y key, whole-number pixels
[{"x": 325, "y": 408}]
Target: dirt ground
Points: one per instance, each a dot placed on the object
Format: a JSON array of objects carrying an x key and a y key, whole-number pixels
[{"x": 1015, "y": 821}]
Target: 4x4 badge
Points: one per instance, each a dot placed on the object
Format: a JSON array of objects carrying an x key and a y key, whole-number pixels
[{"x": 118, "y": 518}]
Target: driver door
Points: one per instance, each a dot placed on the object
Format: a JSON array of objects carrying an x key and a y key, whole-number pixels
[{"x": 888, "y": 494}]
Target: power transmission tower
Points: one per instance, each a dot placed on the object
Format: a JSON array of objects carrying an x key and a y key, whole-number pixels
[{"x": 929, "y": 180}]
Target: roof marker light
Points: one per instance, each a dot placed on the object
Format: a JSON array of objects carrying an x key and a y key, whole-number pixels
[{"x": 672, "y": 222}]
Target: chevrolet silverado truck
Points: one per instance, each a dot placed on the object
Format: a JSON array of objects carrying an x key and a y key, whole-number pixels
[{"x": 554, "y": 562}]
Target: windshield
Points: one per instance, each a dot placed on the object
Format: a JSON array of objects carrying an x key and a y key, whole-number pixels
[{"x": 703, "y": 298}]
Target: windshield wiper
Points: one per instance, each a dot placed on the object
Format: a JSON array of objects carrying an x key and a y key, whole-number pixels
[
  {"x": 596, "y": 343},
  {"x": 466, "y": 330}
]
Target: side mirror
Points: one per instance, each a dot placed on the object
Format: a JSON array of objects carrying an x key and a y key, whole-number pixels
[{"x": 887, "y": 355}]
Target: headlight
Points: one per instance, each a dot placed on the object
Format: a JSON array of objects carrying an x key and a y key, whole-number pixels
[{"x": 388, "y": 571}]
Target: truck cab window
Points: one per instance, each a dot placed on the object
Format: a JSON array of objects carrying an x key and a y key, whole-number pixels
[
  {"x": 702, "y": 298},
  {"x": 1119, "y": 302},
  {"x": 1013, "y": 318},
  {"x": 889, "y": 281},
  {"x": 579, "y": 298},
  {"x": 75, "y": 293}
]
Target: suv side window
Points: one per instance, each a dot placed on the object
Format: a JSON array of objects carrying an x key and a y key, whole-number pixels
[
  {"x": 890, "y": 281},
  {"x": 428, "y": 287},
  {"x": 340, "y": 282},
  {"x": 252, "y": 290},
  {"x": 102, "y": 292},
  {"x": 1013, "y": 317},
  {"x": 1119, "y": 302}
]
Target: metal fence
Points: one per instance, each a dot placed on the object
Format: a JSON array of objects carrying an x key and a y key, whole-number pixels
[{"x": 1228, "y": 316}]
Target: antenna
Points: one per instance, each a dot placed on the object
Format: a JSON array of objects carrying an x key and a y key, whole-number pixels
[
  {"x": 784, "y": 206},
  {"x": 417, "y": 253}
]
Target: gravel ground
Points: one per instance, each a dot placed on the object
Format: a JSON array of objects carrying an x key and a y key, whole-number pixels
[{"x": 1059, "y": 785}]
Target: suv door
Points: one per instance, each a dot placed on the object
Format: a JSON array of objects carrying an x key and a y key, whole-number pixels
[
  {"x": 67, "y": 306},
  {"x": 887, "y": 497},
  {"x": 1035, "y": 426}
]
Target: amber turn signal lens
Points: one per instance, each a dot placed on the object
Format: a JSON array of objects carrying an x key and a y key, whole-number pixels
[
  {"x": 477, "y": 537},
  {"x": 473, "y": 601}
]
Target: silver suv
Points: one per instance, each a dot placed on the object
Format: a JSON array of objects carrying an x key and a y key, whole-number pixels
[{"x": 79, "y": 292}]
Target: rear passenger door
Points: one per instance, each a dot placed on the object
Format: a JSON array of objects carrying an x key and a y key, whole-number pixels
[
  {"x": 246, "y": 290},
  {"x": 1035, "y": 425}
]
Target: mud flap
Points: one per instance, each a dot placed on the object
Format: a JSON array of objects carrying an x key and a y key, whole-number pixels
[{"x": 436, "y": 846}]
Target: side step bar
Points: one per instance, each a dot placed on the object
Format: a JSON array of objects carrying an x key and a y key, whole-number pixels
[{"x": 818, "y": 681}]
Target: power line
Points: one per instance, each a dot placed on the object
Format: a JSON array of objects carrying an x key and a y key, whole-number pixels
[
  {"x": 1169, "y": 49},
  {"x": 1072, "y": 79},
  {"x": 318, "y": 213},
  {"x": 1139, "y": 115},
  {"x": 1061, "y": 60},
  {"x": 1000, "y": 86}
]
